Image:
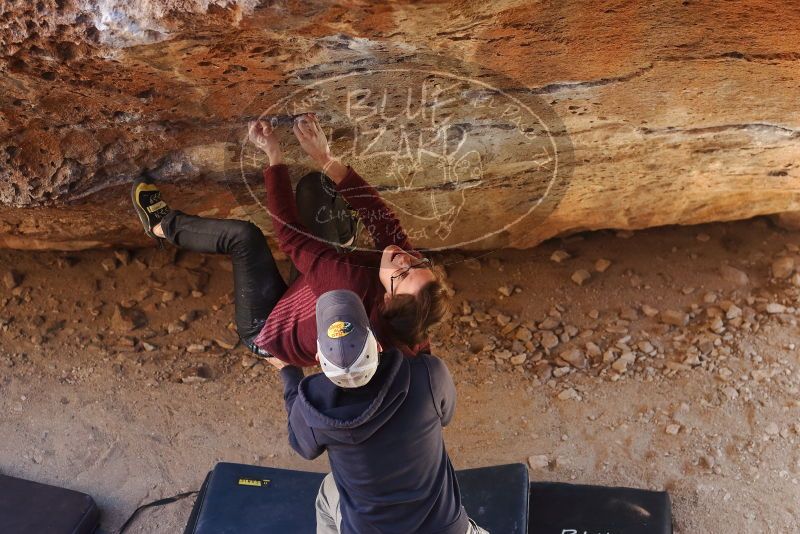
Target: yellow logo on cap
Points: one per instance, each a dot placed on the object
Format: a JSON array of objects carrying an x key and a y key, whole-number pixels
[{"x": 339, "y": 329}]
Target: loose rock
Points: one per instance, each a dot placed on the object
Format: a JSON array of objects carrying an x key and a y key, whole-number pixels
[
  {"x": 774, "y": 307},
  {"x": 602, "y": 265},
  {"x": 783, "y": 267},
  {"x": 523, "y": 334},
  {"x": 574, "y": 357},
  {"x": 109, "y": 264},
  {"x": 569, "y": 394},
  {"x": 674, "y": 317},
  {"x": 518, "y": 359},
  {"x": 560, "y": 255},
  {"x": 581, "y": 276},
  {"x": 649, "y": 311},
  {"x": 126, "y": 319},
  {"x": 734, "y": 275},
  {"x": 538, "y": 461},
  {"x": 11, "y": 279},
  {"x": 549, "y": 340},
  {"x": 195, "y": 374}
]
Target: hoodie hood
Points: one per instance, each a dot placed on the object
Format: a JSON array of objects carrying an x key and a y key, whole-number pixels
[{"x": 354, "y": 415}]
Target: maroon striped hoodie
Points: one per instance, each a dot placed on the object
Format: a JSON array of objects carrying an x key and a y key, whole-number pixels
[{"x": 290, "y": 332}]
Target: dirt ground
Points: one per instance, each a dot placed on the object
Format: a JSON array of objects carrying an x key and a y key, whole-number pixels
[{"x": 668, "y": 370}]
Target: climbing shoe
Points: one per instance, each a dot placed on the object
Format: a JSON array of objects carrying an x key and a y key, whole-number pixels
[{"x": 148, "y": 204}]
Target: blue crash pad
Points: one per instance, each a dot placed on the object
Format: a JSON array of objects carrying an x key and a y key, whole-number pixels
[{"x": 246, "y": 499}]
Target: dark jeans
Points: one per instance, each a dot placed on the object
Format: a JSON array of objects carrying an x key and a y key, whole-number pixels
[{"x": 257, "y": 284}]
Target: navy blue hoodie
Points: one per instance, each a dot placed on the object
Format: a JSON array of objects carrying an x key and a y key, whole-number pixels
[{"x": 384, "y": 443}]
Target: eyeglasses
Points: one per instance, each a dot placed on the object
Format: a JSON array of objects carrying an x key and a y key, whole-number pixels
[{"x": 424, "y": 263}]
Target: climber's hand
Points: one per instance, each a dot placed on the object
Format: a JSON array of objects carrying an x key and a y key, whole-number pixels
[
  {"x": 312, "y": 139},
  {"x": 261, "y": 134}
]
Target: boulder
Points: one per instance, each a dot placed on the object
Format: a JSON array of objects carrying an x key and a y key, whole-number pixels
[{"x": 509, "y": 124}]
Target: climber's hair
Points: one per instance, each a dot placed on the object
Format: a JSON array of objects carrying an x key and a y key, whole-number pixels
[{"x": 410, "y": 317}]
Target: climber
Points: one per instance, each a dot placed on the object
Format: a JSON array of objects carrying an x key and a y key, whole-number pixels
[
  {"x": 370, "y": 401},
  {"x": 398, "y": 286}
]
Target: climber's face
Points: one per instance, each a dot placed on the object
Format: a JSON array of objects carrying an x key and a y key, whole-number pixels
[{"x": 404, "y": 273}]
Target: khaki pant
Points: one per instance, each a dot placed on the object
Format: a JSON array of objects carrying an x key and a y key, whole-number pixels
[{"x": 329, "y": 517}]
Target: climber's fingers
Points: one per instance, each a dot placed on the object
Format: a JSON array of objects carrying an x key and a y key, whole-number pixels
[
  {"x": 254, "y": 132},
  {"x": 305, "y": 126},
  {"x": 266, "y": 127},
  {"x": 297, "y": 131}
]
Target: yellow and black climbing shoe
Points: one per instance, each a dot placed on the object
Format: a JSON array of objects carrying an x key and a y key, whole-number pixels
[{"x": 148, "y": 204}]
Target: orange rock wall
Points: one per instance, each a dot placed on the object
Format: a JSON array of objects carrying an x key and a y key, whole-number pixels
[{"x": 661, "y": 112}]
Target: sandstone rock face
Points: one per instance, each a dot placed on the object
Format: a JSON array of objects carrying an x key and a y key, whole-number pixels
[{"x": 485, "y": 124}]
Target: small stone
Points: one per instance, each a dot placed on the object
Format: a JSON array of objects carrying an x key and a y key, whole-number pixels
[
  {"x": 673, "y": 429},
  {"x": 796, "y": 279},
  {"x": 551, "y": 323},
  {"x": 506, "y": 291},
  {"x": 774, "y": 307},
  {"x": 167, "y": 296},
  {"x": 733, "y": 312},
  {"x": 549, "y": 340},
  {"x": 197, "y": 294},
  {"x": 11, "y": 279},
  {"x": 502, "y": 320},
  {"x": 707, "y": 461},
  {"x": 772, "y": 429},
  {"x": 624, "y": 234},
  {"x": 123, "y": 256},
  {"x": 195, "y": 348},
  {"x": 602, "y": 265},
  {"x": 592, "y": 350},
  {"x": 149, "y": 347},
  {"x": 227, "y": 344},
  {"x": 734, "y": 275},
  {"x": 731, "y": 393},
  {"x": 581, "y": 276},
  {"x": 703, "y": 237},
  {"x": 574, "y": 357},
  {"x": 109, "y": 264},
  {"x": 195, "y": 374},
  {"x": 649, "y": 311},
  {"x": 543, "y": 371},
  {"x": 518, "y": 359},
  {"x": 501, "y": 354},
  {"x": 126, "y": 319},
  {"x": 594, "y": 314},
  {"x": 560, "y": 255},
  {"x": 561, "y": 371},
  {"x": 538, "y": 461},
  {"x": 569, "y": 394},
  {"x": 621, "y": 363},
  {"x": 523, "y": 334},
  {"x": 674, "y": 317},
  {"x": 646, "y": 347},
  {"x": 176, "y": 327},
  {"x": 783, "y": 267}
]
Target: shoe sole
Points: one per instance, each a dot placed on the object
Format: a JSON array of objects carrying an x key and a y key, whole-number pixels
[{"x": 140, "y": 211}]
